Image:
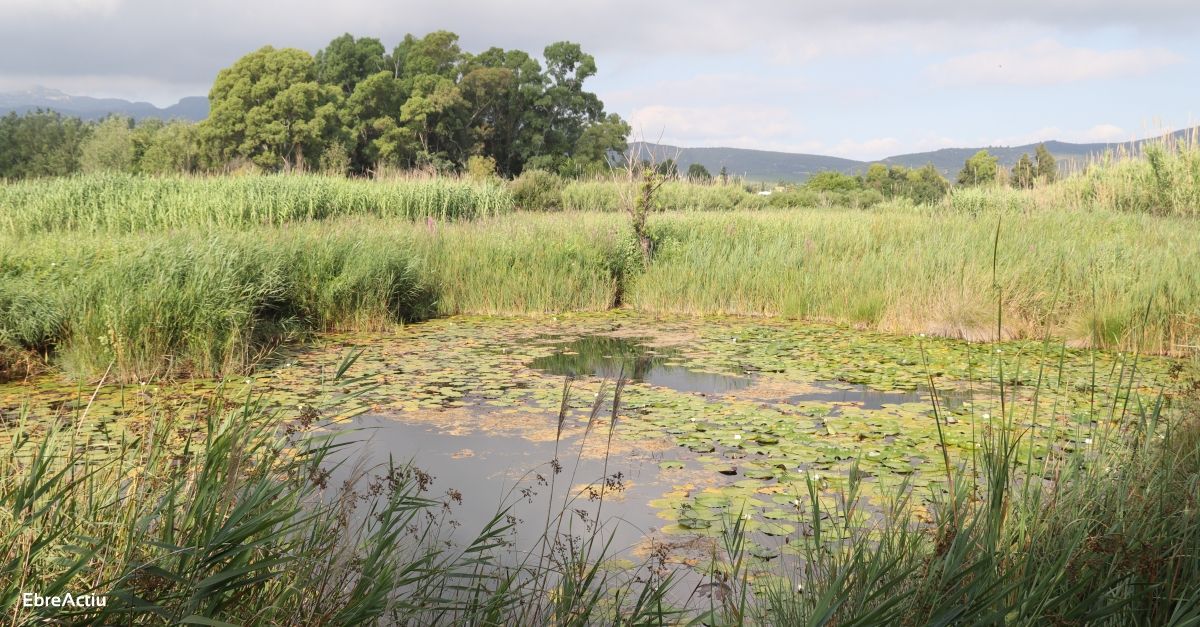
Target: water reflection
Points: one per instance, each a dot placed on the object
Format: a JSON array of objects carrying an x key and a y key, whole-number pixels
[{"x": 610, "y": 357}]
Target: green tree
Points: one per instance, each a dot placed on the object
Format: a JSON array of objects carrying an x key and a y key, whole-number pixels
[
  {"x": 40, "y": 143},
  {"x": 607, "y": 136},
  {"x": 565, "y": 108},
  {"x": 1023, "y": 173},
  {"x": 697, "y": 172},
  {"x": 505, "y": 122},
  {"x": 173, "y": 147},
  {"x": 436, "y": 54},
  {"x": 371, "y": 117},
  {"x": 1047, "y": 167},
  {"x": 925, "y": 185},
  {"x": 431, "y": 116},
  {"x": 979, "y": 169},
  {"x": 831, "y": 181},
  {"x": 268, "y": 108},
  {"x": 110, "y": 147},
  {"x": 346, "y": 61}
]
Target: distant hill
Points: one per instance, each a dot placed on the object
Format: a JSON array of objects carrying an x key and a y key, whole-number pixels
[
  {"x": 192, "y": 108},
  {"x": 757, "y": 165},
  {"x": 765, "y": 165}
]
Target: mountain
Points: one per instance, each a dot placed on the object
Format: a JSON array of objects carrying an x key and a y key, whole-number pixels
[
  {"x": 88, "y": 108},
  {"x": 771, "y": 166},
  {"x": 758, "y": 165}
]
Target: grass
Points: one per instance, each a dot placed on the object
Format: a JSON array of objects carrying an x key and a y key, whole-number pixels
[
  {"x": 931, "y": 271},
  {"x": 1162, "y": 179},
  {"x": 119, "y": 203},
  {"x": 214, "y": 301}
]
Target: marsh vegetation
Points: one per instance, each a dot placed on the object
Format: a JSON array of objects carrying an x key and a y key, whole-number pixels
[{"x": 866, "y": 400}]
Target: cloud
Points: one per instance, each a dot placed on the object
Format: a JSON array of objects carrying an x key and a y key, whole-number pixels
[
  {"x": 1099, "y": 133},
  {"x": 1049, "y": 62},
  {"x": 58, "y": 8},
  {"x": 731, "y": 126}
]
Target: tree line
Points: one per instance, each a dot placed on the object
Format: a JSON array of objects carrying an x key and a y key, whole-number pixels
[
  {"x": 352, "y": 107},
  {"x": 983, "y": 169}
]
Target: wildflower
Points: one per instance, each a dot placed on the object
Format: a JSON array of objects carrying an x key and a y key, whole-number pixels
[
  {"x": 737, "y": 436},
  {"x": 1087, "y": 440}
]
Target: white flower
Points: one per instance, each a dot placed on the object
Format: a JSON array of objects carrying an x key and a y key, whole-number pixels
[
  {"x": 873, "y": 454},
  {"x": 1087, "y": 440},
  {"x": 737, "y": 436},
  {"x": 986, "y": 415}
]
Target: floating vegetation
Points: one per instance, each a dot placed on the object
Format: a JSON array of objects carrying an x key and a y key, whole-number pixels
[{"x": 749, "y": 411}]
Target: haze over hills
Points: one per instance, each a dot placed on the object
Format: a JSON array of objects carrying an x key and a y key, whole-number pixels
[
  {"x": 755, "y": 165},
  {"x": 191, "y": 108}
]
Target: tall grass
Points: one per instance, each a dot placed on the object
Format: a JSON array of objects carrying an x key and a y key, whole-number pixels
[
  {"x": 1162, "y": 178},
  {"x": 605, "y": 195},
  {"x": 197, "y": 303},
  {"x": 931, "y": 271},
  {"x": 117, "y": 203},
  {"x": 212, "y": 302},
  {"x": 207, "y": 303}
]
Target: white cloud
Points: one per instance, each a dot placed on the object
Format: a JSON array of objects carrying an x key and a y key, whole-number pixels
[
  {"x": 1049, "y": 62},
  {"x": 732, "y": 126},
  {"x": 1099, "y": 133}
]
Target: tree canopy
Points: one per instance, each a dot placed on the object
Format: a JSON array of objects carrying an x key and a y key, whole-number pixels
[
  {"x": 980, "y": 169},
  {"x": 1047, "y": 167},
  {"x": 426, "y": 104}
]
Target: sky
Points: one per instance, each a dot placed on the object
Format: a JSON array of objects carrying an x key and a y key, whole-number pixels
[{"x": 862, "y": 79}]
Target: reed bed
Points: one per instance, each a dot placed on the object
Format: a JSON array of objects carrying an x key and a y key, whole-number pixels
[
  {"x": 208, "y": 302},
  {"x": 122, "y": 203}
]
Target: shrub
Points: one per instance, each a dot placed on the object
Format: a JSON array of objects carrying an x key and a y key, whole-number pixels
[{"x": 537, "y": 190}]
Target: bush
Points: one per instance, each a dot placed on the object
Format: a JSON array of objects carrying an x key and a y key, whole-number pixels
[{"x": 537, "y": 190}]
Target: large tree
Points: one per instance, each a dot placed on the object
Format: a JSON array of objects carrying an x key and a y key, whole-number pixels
[
  {"x": 505, "y": 123},
  {"x": 371, "y": 116},
  {"x": 111, "y": 147},
  {"x": 40, "y": 143},
  {"x": 269, "y": 108},
  {"x": 979, "y": 169},
  {"x": 566, "y": 108},
  {"x": 346, "y": 61},
  {"x": 432, "y": 117}
]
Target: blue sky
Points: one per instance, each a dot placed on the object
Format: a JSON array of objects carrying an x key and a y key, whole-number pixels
[{"x": 861, "y": 79}]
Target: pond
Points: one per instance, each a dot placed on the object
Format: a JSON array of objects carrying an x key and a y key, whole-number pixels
[{"x": 719, "y": 417}]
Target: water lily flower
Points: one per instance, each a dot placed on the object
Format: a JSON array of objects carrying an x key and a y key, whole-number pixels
[
  {"x": 737, "y": 436},
  {"x": 1087, "y": 440}
]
